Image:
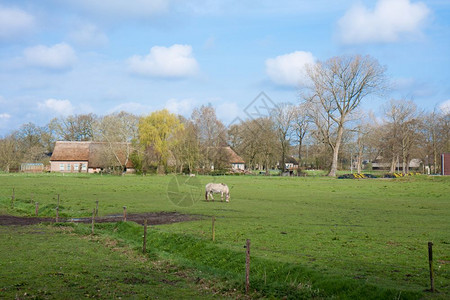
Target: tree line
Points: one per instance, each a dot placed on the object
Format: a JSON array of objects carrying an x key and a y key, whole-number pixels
[{"x": 325, "y": 129}]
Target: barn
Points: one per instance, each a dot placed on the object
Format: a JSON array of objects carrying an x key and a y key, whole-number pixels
[
  {"x": 445, "y": 163},
  {"x": 90, "y": 157}
]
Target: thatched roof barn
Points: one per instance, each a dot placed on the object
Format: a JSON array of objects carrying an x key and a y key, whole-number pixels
[{"x": 90, "y": 157}]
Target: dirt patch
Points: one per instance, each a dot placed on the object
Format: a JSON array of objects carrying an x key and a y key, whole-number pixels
[{"x": 153, "y": 218}]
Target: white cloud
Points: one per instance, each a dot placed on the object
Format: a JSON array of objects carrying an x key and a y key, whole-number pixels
[
  {"x": 120, "y": 8},
  {"x": 131, "y": 107},
  {"x": 289, "y": 69},
  {"x": 60, "y": 107},
  {"x": 167, "y": 62},
  {"x": 89, "y": 35},
  {"x": 228, "y": 111},
  {"x": 445, "y": 107},
  {"x": 57, "y": 57},
  {"x": 182, "y": 107},
  {"x": 387, "y": 22},
  {"x": 14, "y": 22},
  {"x": 4, "y": 116}
]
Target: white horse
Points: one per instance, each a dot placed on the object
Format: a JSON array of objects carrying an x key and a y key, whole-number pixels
[{"x": 221, "y": 188}]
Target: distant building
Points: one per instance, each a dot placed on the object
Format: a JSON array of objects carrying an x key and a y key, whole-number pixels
[
  {"x": 445, "y": 163},
  {"x": 31, "y": 167},
  {"x": 90, "y": 157},
  {"x": 237, "y": 162}
]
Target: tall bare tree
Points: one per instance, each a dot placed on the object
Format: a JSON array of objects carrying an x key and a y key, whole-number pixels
[
  {"x": 301, "y": 126},
  {"x": 212, "y": 137},
  {"x": 118, "y": 131},
  {"x": 337, "y": 88},
  {"x": 283, "y": 117}
]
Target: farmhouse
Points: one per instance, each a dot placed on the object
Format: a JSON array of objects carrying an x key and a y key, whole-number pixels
[
  {"x": 237, "y": 162},
  {"x": 90, "y": 157}
]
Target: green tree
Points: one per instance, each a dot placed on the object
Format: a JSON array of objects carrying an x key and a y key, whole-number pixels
[{"x": 158, "y": 131}]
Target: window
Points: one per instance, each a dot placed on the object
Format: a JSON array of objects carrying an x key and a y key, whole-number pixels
[
  {"x": 75, "y": 167},
  {"x": 61, "y": 167},
  {"x": 68, "y": 167},
  {"x": 83, "y": 167}
]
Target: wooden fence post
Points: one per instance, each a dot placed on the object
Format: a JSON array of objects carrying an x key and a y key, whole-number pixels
[
  {"x": 144, "y": 245},
  {"x": 13, "y": 197},
  {"x": 96, "y": 208},
  {"x": 430, "y": 263},
  {"x": 58, "y": 200},
  {"x": 57, "y": 214},
  {"x": 247, "y": 268},
  {"x": 213, "y": 228},
  {"x": 124, "y": 213},
  {"x": 93, "y": 221},
  {"x": 37, "y": 209}
]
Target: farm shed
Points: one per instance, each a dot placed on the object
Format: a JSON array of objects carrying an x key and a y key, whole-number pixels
[
  {"x": 32, "y": 167},
  {"x": 90, "y": 157},
  {"x": 445, "y": 163}
]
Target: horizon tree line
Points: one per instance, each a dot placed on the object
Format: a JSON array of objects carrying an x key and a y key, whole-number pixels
[{"x": 325, "y": 129}]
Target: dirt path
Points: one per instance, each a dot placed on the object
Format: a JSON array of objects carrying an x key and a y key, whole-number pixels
[{"x": 152, "y": 219}]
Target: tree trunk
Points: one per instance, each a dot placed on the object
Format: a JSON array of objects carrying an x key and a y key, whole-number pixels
[{"x": 334, "y": 163}]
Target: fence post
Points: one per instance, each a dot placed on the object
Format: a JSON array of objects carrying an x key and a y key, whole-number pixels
[
  {"x": 247, "y": 268},
  {"x": 58, "y": 200},
  {"x": 213, "y": 228},
  {"x": 13, "y": 197},
  {"x": 124, "y": 213},
  {"x": 144, "y": 245},
  {"x": 96, "y": 208},
  {"x": 57, "y": 214},
  {"x": 430, "y": 263},
  {"x": 93, "y": 221},
  {"x": 37, "y": 209}
]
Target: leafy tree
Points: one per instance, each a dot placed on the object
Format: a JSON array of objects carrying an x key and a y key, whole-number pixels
[{"x": 158, "y": 131}]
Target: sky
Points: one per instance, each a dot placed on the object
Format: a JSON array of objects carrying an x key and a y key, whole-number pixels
[{"x": 65, "y": 57}]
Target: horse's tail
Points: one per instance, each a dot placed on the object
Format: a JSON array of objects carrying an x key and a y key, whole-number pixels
[{"x": 206, "y": 195}]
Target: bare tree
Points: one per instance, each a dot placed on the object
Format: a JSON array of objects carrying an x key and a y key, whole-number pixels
[
  {"x": 74, "y": 128},
  {"x": 403, "y": 123},
  {"x": 301, "y": 126},
  {"x": 9, "y": 153},
  {"x": 212, "y": 137},
  {"x": 338, "y": 87},
  {"x": 283, "y": 116},
  {"x": 118, "y": 131}
]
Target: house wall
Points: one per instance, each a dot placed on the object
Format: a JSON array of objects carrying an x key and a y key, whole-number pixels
[
  {"x": 238, "y": 167},
  {"x": 69, "y": 166}
]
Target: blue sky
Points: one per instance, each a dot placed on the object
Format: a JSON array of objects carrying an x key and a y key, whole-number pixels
[{"x": 62, "y": 57}]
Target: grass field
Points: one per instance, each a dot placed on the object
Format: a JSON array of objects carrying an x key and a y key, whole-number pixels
[{"x": 356, "y": 233}]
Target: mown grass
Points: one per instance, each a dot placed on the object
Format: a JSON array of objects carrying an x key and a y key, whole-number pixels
[
  {"x": 39, "y": 262},
  {"x": 372, "y": 232}
]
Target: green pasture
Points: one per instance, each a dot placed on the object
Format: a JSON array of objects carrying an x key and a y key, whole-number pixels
[{"x": 370, "y": 232}]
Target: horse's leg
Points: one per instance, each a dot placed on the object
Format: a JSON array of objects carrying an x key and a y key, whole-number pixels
[
  {"x": 221, "y": 196},
  {"x": 206, "y": 196}
]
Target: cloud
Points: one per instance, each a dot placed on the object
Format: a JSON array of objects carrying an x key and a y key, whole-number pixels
[
  {"x": 57, "y": 57},
  {"x": 166, "y": 62},
  {"x": 89, "y": 35},
  {"x": 445, "y": 107},
  {"x": 228, "y": 111},
  {"x": 61, "y": 107},
  {"x": 182, "y": 107},
  {"x": 131, "y": 107},
  {"x": 387, "y": 22},
  {"x": 5, "y": 116},
  {"x": 289, "y": 69},
  {"x": 14, "y": 22},
  {"x": 123, "y": 9}
]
